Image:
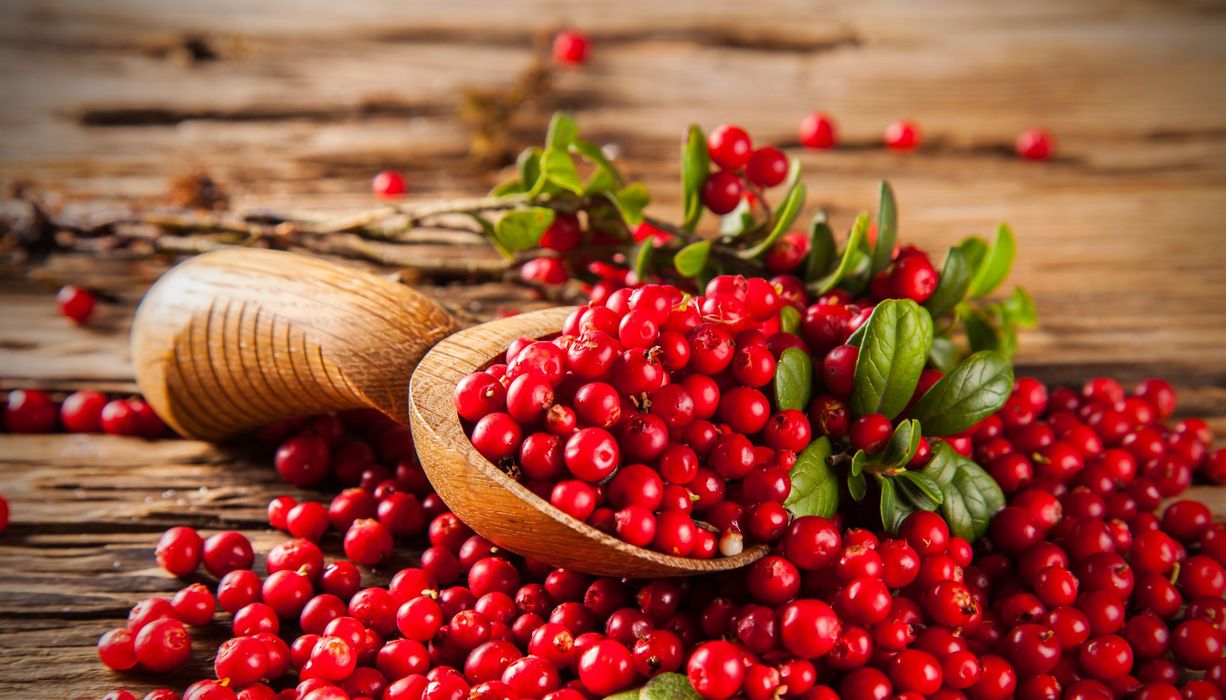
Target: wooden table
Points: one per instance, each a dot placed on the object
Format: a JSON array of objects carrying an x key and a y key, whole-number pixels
[{"x": 292, "y": 105}]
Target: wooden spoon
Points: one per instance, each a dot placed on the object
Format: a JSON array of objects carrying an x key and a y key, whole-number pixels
[{"x": 236, "y": 339}]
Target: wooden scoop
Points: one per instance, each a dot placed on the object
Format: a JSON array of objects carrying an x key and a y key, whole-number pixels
[{"x": 237, "y": 339}]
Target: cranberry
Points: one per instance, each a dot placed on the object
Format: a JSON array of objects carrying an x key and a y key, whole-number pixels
[
  {"x": 29, "y": 411},
  {"x": 592, "y": 454},
  {"x": 808, "y": 628},
  {"x": 368, "y": 542},
  {"x": 636, "y": 525},
  {"x": 227, "y": 551},
  {"x": 194, "y": 605},
  {"x": 926, "y": 532},
  {"x": 767, "y": 167},
  {"x": 1106, "y": 658},
  {"x": 812, "y": 542},
  {"x": 871, "y": 432},
  {"x": 817, "y": 131},
  {"x": 913, "y": 278},
  {"x": 716, "y": 670},
  {"x": 722, "y": 192},
  {"x": 242, "y": 661},
  {"x": 605, "y": 668},
  {"x": 570, "y": 47},
  {"x": 308, "y": 520},
  {"x": 916, "y": 671},
  {"x": 163, "y": 645},
  {"x": 1035, "y": 144},
  {"x": 303, "y": 460},
  {"x": 388, "y": 184},
  {"x": 729, "y": 146},
  {"x": 1196, "y": 644},
  {"x": 902, "y": 136},
  {"x": 865, "y": 684},
  {"x": 116, "y": 650}
]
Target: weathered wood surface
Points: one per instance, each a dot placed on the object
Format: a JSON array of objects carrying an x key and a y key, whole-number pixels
[{"x": 294, "y": 105}]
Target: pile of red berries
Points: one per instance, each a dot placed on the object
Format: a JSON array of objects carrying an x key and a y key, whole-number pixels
[{"x": 35, "y": 411}]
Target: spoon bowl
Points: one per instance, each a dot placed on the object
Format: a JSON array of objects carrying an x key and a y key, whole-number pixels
[{"x": 233, "y": 340}]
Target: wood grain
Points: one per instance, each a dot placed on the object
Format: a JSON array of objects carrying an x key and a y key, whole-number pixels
[
  {"x": 1120, "y": 236},
  {"x": 238, "y": 339},
  {"x": 498, "y": 507}
]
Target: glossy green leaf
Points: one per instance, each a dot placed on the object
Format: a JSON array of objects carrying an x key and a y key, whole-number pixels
[
  {"x": 822, "y": 248},
  {"x": 529, "y": 166},
  {"x": 594, "y": 155},
  {"x": 784, "y": 217},
  {"x": 930, "y": 495},
  {"x": 789, "y": 319},
  {"x": 563, "y": 130},
  {"x": 793, "y": 380},
  {"x": 970, "y": 497},
  {"x": 857, "y": 486},
  {"x": 954, "y": 281},
  {"x": 599, "y": 182},
  {"x": 995, "y": 267},
  {"x": 508, "y": 188},
  {"x": 559, "y": 169},
  {"x": 894, "y": 510},
  {"x": 695, "y": 166},
  {"x": 521, "y": 229},
  {"x": 690, "y": 260},
  {"x": 892, "y": 356},
  {"x": 944, "y": 354},
  {"x": 642, "y": 258},
  {"x": 858, "y": 460},
  {"x": 975, "y": 249},
  {"x": 737, "y": 222},
  {"x": 887, "y": 229},
  {"x": 976, "y": 388},
  {"x": 814, "y": 489},
  {"x": 981, "y": 333},
  {"x": 669, "y": 686},
  {"x": 631, "y": 200},
  {"x": 903, "y": 444},
  {"x": 1020, "y": 309},
  {"x": 847, "y": 263}
]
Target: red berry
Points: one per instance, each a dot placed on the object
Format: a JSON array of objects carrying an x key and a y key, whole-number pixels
[
  {"x": 179, "y": 550},
  {"x": 241, "y": 661},
  {"x": 75, "y": 303},
  {"x": 722, "y": 191},
  {"x": 1106, "y": 658},
  {"x": 716, "y": 670},
  {"x": 817, "y": 131},
  {"x": 808, "y": 628},
  {"x": 570, "y": 47},
  {"x": 303, "y": 460},
  {"x": 592, "y": 454},
  {"x": 729, "y": 146},
  {"x": 116, "y": 650},
  {"x": 388, "y": 184},
  {"x": 163, "y": 645},
  {"x": 227, "y": 551},
  {"x": 29, "y": 411},
  {"x": 1035, "y": 144},
  {"x": 81, "y": 412},
  {"x": 497, "y": 436},
  {"x": 479, "y": 394},
  {"x": 871, "y": 432},
  {"x": 563, "y": 234},
  {"x": 902, "y": 136},
  {"x": 605, "y": 668},
  {"x": 914, "y": 278},
  {"x": 916, "y": 671},
  {"x": 767, "y": 167}
]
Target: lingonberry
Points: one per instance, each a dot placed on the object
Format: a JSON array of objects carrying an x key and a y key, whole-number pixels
[
  {"x": 1072, "y": 626},
  {"x": 1186, "y": 520},
  {"x": 1153, "y": 552},
  {"x": 902, "y": 136},
  {"x": 496, "y": 436},
  {"x": 29, "y": 411},
  {"x": 766, "y": 521},
  {"x": 570, "y": 47},
  {"x": 817, "y": 131},
  {"x": 388, "y": 184},
  {"x": 914, "y": 278},
  {"x": 916, "y": 671},
  {"x": 808, "y": 628},
  {"x": 75, "y": 303},
  {"x": 116, "y": 649},
  {"x": 753, "y": 365},
  {"x": 865, "y": 600},
  {"x": 812, "y": 542},
  {"x": 1032, "y": 648},
  {"x": 1196, "y": 644},
  {"x": 745, "y": 409},
  {"x": 179, "y": 550},
  {"x": 729, "y": 146},
  {"x": 303, "y": 460},
  {"x": 676, "y": 534},
  {"x": 767, "y": 167},
  {"x": 926, "y": 532},
  {"x": 722, "y": 191},
  {"x": 716, "y": 670},
  {"x": 605, "y": 668},
  {"x": 592, "y": 454},
  {"x": 575, "y": 498},
  {"x": 673, "y": 405},
  {"x": 636, "y": 525},
  {"x": 162, "y": 645},
  {"x": 194, "y": 605},
  {"x": 81, "y": 412},
  {"x": 997, "y": 679},
  {"x": 227, "y": 551},
  {"x": 642, "y": 437},
  {"x": 951, "y": 604},
  {"x": 307, "y": 520},
  {"x": 865, "y": 683},
  {"x": 241, "y": 661},
  {"x": 1035, "y": 144},
  {"x": 1014, "y": 530},
  {"x": 1106, "y": 658}
]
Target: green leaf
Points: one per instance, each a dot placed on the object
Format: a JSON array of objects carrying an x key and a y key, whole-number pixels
[
  {"x": 594, "y": 155},
  {"x": 857, "y": 487},
  {"x": 821, "y": 247},
  {"x": 695, "y": 166},
  {"x": 789, "y": 319},
  {"x": 858, "y": 460},
  {"x": 995, "y": 267},
  {"x": 669, "y": 686},
  {"x": 892, "y": 356},
  {"x": 954, "y": 281},
  {"x": 944, "y": 354},
  {"x": 793, "y": 380},
  {"x": 690, "y": 260},
  {"x": 847, "y": 263},
  {"x": 970, "y": 497},
  {"x": 632, "y": 694},
  {"x": 563, "y": 130},
  {"x": 976, "y": 388},
  {"x": 1019, "y": 309},
  {"x": 930, "y": 491},
  {"x": 529, "y": 165},
  {"x": 786, "y": 214},
  {"x": 887, "y": 229},
  {"x": 738, "y": 221},
  {"x": 508, "y": 188},
  {"x": 631, "y": 200},
  {"x": 599, "y": 182},
  {"x": 521, "y": 229},
  {"x": 642, "y": 257},
  {"x": 981, "y": 333},
  {"x": 814, "y": 490},
  {"x": 793, "y": 174},
  {"x": 893, "y": 509},
  {"x": 559, "y": 168},
  {"x": 976, "y": 249},
  {"x": 902, "y": 445}
]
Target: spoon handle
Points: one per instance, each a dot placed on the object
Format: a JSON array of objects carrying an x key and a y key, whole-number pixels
[{"x": 236, "y": 339}]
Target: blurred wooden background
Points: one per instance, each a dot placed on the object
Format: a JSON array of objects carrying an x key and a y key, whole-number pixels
[{"x": 293, "y": 105}]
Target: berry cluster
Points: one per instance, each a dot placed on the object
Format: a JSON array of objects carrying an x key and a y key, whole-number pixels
[{"x": 35, "y": 411}]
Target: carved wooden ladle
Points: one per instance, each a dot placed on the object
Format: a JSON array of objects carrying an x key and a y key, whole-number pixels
[{"x": 233, "y": 340}]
